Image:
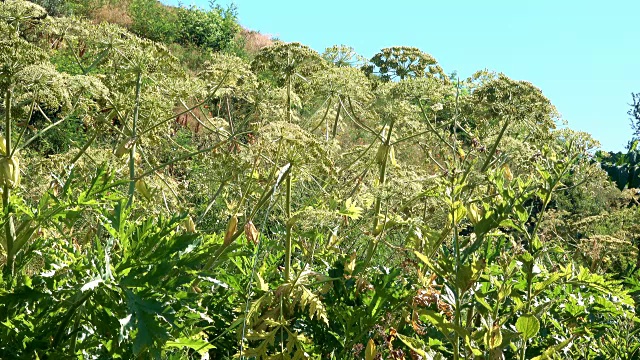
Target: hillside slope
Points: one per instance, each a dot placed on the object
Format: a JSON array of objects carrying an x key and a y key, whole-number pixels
[{"x": 292, "y": 204}]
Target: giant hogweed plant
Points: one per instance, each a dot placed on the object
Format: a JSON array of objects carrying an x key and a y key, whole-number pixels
[
  {"x": 31, "y": 86},
  {"x": 446, "y": 186},
  {"x": 478, "y": 182},
  {"x": 97, "y": 246},
  {"x": 488, "y": 291},
  {"x": 504, "y": 211},
  {"x": 122, "y": 291}
]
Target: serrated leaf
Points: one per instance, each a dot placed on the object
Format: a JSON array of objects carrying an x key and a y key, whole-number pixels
[
  {"x": 199, "y": 345},
  {"x": 145, "y": 313},
  {"x": 351, "y": 210},
  {"x": 261, "y": 283},
  {"x": 91, "y": 285},
  {"x": 316, "y": 307}
]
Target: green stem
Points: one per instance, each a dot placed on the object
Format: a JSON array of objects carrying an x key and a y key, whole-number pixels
[
  {"x": 67, "y": 316},
  {"x": 173, "y": 116},
  {"x": 188, "y": 156},
  {"x": 456, "y": 292},
  {"x": 9, "y": 228},
  {"x": 84, "y": 148},
  {"x": 547, "y": 199},
  {"x": 494, "y": 147},
  {"x": 43, "y": 131},
  {"x": 382, "y": 178},
  {"x": 287, "y": 264},
  {"x": 322, "y": 121},
  {"x": 213, "y": 199},
  {"x": 24, "y": 129},
  {"x": 261, "y": 203},
  {"x": 334, "y": 130},
  {"x": 356, "y": 120},
  {"x": 289, "y": 115},
  {"x": 132, "y": 152},
  {"x": 432, "y": 128}
]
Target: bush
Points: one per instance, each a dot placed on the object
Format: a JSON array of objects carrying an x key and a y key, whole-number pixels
[
  {"x": 214, "y": 29},
  {"x": 54, "y": 7},
  {"x": 153, "y": 21}
]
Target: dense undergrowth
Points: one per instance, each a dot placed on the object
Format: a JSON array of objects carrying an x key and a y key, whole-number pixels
[{"x": 289, "y": 204}]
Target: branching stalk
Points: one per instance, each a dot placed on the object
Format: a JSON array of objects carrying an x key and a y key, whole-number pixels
[
  {"x": 132, "y": 152},
  {"x": 287, "y": 265},
  {"x": 382, "y": 178},
  {"x": 334, "y": 130},
  {"x": 9, "y": 227},
  {"x": 494, "y": 147}
]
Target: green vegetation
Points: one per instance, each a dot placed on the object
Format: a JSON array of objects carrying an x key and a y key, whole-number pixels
[{"x": 286, "y": 204}]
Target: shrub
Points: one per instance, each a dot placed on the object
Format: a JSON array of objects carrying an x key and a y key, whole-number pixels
[
  {"x": 54, "y": 7},
  {"x": 153, "y": 20},
  {"x": 214, "y": 29}
]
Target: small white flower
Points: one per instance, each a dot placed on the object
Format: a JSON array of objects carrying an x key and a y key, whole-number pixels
[{"x": 437, "y": 107}]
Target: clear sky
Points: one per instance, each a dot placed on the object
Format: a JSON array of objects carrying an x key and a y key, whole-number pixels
[{"x": 584, "y": 55}]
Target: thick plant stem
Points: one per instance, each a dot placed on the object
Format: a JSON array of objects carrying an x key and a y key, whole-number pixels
[
  {"x": 382, "y": 179},
  {"x": 457, "y": 314},
  {"x": 289, "y": 114},
  {"x": 455, "y": 197},
  {"x": 132, "y": 152},
  {"x": 494, "y": 147},
  {"x": 287, "y": 264},
  {"x": 547, "y": 199},
  {"x": 9, "y": 227},
  {"x": 334, "y": 130}
]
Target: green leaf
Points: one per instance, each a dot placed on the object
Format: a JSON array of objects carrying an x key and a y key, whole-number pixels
[
  {"x": 350, "y": 266},
  {"x": 370, "y": 352},
  {"x": 91, "y": 285},
  {"x": 443, "y": 325},
  {"x": 261, "y": 283},
  {"x": 548, "y": 354},
  {"x": 459, "y": 212},
  {"x": 144, "y": 314},
  {"x": 413, "y": 344},
  {"x": 528, "y": 325},
  {"x": 493, "y": 338},
  {"x": 315, "y": 305},
  {"x": 199, "y": 345},
  {"x": 474, "y": 350},
  {"x": 351, "y": 210},
  {"x": 482, "y": 301}
]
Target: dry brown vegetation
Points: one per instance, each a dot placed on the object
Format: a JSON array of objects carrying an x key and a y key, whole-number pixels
[
  {"x": 117, "y": 13},
  {"x": 254, "y": 41}
]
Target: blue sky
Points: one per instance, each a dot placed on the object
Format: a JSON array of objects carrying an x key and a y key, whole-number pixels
[{"x": 584, "y": 55}]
